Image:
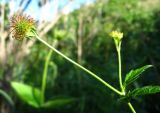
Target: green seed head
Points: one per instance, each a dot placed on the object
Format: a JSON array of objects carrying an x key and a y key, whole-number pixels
[{"x": 21, "y": 26}]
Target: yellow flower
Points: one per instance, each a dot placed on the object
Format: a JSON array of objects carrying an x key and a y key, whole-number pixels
[
  {"x": 21, "y": 25},
  {"x": 116, "y": 35}
]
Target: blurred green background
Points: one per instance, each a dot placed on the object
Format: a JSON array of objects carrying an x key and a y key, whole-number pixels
[{"x": 83, "y": 35}]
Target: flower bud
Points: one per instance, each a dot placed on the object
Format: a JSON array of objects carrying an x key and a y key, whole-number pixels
[{"x": 116, "y": 35}]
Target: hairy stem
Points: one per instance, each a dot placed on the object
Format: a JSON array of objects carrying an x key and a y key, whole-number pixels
[{"x": 78, "y": 65}]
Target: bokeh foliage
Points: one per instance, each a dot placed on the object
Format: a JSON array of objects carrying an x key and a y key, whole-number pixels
[{"x": 83, "y": 35}]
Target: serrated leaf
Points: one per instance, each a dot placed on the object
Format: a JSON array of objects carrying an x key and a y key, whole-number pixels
[
  {"x": 145, "y": 91},
  {"x": 27, "y": 93},
  {"x": 58, "y": 102},
  {"x": 134, "y": 74}
]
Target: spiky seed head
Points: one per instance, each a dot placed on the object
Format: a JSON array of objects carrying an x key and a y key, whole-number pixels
[{"x": 21, "y": 26}]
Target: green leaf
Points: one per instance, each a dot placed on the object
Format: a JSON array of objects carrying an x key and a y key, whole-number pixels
[
  {"x": 145, "y": 91},
  {"x": 134, "y": 74},
  {"x": 27, "y": 93},
  {"x": 58, "y": 102},
  {"x": 7, "y": 97},
  {"x": 139, "y": 92}
]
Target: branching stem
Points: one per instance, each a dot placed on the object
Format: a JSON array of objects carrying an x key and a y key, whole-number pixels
[
  {"x": 78, "y": 65},
  {"x": 122, "y": 92}
]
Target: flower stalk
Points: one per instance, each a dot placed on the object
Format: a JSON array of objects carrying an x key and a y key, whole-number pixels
[
  {"x": 131, "y": 107},
  {"x": 78, "y": 65},
  {"x": 44, "y": 77},
  {"x": 120, "y": 68},
  {"x": 117, "y": 36}
]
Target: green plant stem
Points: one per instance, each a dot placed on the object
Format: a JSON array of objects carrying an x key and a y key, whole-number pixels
[
  {"x": 44, "y": 78},
  {"x": 131, "y": 107},
  {"x": 118, "y": 47},
  {"x": 78, "y": 65},
  {"x": 120, "y": 67},
  {"x": 7, "y": 97}
]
